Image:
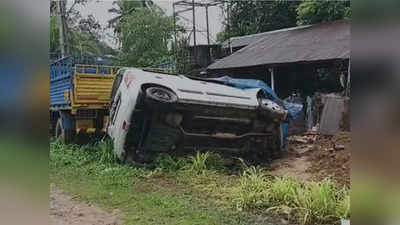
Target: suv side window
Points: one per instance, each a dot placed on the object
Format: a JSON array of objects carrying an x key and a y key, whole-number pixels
[
  {"x": 115, "y": 108},
  {"x": 116, "y": 84}
]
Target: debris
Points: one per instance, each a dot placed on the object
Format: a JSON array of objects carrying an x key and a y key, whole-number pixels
[
  {"x": 308, "y": 138},
  {"x": 326, "y": 160},
  {"x": 330, "y": 149},
  {"x": 316, "y": 157},
  {"x": 311, "y": 132},
  {"x": 338, "y": 147},
  {"x": 303, "y": 149},
  {"x": 298, "y": 139}
]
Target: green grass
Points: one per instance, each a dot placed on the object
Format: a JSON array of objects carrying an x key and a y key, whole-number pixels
[
  {"x": 302, "y": 202},
  {"x": 167, "y": 163},
  {"x": 191, "y": 190},
  {"x": 83, "y": 173}
]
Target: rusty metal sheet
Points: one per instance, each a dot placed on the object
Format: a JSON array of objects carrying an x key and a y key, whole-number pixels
[{"x": 331, "y": 115}]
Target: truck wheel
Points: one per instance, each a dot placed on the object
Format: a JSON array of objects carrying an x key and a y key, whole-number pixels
[
  {"x": 53, "y": 128},
  {"x": 65, "y": 136},
  {"x": 161, "y": 95}
]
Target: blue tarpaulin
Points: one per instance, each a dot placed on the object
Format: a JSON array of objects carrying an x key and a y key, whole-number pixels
[{"x": 293, "y": 109}]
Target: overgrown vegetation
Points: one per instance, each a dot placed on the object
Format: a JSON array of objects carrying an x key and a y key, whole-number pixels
[
  {"x": 199, "y": 184},
  {"x": 251, "y": 17},
  {"x": 144, "y": 38},
  {"x": 317, "y": 11},
  {"x": 305, "y": 202},
  {"x": 82, "y": 35}
]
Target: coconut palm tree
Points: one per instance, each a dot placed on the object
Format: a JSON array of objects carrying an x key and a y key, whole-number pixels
[{"x": 124, "y": 8}]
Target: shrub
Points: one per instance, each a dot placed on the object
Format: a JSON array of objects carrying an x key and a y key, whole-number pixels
[
  {"x": 167, "y": 163},
  {"x": 317, "y": 202},
  {"x": 197, "y": 164},
  {"x": 283, "y": 191},
  {"x": 105, "y": 148},
  {"x": 343, "y": 206},
  {"x": 252, "y": 189},
  {"x": 215, "y": 161},
  {"x": 307, "y": 202}
]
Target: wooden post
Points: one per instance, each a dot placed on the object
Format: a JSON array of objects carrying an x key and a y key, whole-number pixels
[
  {"x": 272, "y": 76},
  {"x": 348, "y": 79},
  {"x": 230, "y": 45}
]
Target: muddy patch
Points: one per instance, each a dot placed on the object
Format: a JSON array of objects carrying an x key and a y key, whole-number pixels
[
  {"x": 292, "y": 166},
  {"x": 66, "y": 211}
]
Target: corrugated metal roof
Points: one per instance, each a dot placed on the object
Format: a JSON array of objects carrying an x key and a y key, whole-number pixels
[
  {"x": 305, "y": 44},
  {"x": 242, "y": 41}
]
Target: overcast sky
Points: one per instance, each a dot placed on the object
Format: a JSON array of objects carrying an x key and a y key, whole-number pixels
[{"x": 99, "y": 9}]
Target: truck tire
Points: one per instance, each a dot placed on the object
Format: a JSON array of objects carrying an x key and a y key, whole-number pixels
[
  {"x": 53, "y": 128},
  {"x": 65, "y": 136}
]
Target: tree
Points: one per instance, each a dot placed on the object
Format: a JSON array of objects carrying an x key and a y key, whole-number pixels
[
  {"x": 83, "y": 35},
  {"x": 125, "y": 8},
  {"x": 54, "y": 34},
  {"x": 250, "y": 17},
  {"x": 317, "y": 11},
  {"x": 145, "y": 36}
]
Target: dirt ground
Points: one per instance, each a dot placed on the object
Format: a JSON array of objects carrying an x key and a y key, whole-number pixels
[
  {"x": 328, "y": 161},
  {"x": 65, "y": 211},
  {"x": 327, "y": 157}
]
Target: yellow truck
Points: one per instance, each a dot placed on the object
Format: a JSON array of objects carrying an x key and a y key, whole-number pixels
[{"x": 79, "y": 98}]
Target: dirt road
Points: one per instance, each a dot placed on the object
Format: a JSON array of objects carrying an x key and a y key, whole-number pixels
[{"x": 65, "y": 211}]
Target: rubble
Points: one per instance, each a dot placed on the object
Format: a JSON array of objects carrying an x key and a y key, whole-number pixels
[
  {"x": 303, "y": 149},
  {"x": 339, "y": 147},
  {"x": 307, "y": 139},
  {"x": 329, "y": 156}
]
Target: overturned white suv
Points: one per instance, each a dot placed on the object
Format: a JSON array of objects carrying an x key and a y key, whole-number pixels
[{"x": 153, "y": 112}]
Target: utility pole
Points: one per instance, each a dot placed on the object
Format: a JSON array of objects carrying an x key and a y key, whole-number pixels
[
  {"x": 194, "y": 23},
  {"x": 194, "y": 31},
  {"x": 60, "y": 10},
  {"x": 208, "y": 27},
  {"x": 229, "y": 26},
  {"x": 208, "y": 36},
  {"x": 175, "y": 39}
]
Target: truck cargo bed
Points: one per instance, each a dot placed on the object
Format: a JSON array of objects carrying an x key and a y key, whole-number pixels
[{"x": 75, "y": 86}]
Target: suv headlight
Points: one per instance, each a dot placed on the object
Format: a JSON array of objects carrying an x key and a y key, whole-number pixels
[{"x": 272, "y": 109}]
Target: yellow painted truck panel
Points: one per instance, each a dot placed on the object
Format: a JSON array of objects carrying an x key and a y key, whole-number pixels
[{"x": 92, "y": 90}]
